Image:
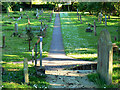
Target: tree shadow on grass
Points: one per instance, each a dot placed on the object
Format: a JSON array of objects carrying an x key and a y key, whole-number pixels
[{"x": 13, "y": 77}]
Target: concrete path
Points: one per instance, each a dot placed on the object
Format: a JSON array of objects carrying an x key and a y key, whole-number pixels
[
  {"x": 57, "y": 61},
  {"x": 57, "y": 58}
]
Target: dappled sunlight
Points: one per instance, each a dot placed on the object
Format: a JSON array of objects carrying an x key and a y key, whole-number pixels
[
  {"x": 13, "y": 69},
  {"x": 83, "y": 56},
  {"x": 84, "y": 49},
  {"x": 11, "y": 55}
]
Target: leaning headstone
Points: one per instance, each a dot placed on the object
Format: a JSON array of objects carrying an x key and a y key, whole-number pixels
[
  {"x": 105, "y": 20},
  {"x": 26, "y": 76},
  {"x": 105, "y": 57},
  {"x": 95, "y": 28},
  {"x": 16, "y": 28}
]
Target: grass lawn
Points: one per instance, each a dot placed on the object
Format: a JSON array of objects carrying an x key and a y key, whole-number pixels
[
  {"x": 83, "y": 45},
  {"x": 17, "y": 48}
]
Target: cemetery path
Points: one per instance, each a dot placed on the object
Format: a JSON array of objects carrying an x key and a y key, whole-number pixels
[{"x": 57, "y": 61}]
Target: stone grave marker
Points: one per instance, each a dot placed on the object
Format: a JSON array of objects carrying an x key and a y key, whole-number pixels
[
  {"x": 105, "y": 20},
  {"x": 26, "y": 76},
  {"x": 105, "y": 57},
  {"x": 16, "y": 28}
]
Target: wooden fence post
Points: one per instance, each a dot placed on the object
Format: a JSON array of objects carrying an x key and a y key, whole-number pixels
[
  {"x": 29, "y": 44},
  {"x": 35, "y": 54},
  {"x": 41, "y": 51},
  {"x": 32, "y": 55},
  {"x": 26, "y": 76}
]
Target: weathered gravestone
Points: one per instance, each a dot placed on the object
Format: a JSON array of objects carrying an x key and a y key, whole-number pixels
[
  {"x": 26, "y": 76},
  {"x": 105, "y": 56}
]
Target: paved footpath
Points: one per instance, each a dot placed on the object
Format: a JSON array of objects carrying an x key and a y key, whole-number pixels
[{"x": 57, "y": 61}]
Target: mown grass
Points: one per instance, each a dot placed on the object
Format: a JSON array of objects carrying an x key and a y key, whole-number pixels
[
  {"x": 80, "y": 44},
  {"x": 83, "y": 45},
  {"x": 17, "y": 48}
]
